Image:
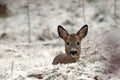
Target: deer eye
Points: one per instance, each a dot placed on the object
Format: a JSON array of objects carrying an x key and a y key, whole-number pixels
[
  {"x": 68, "y": 43},
  {"x": 78, "y": 43}
]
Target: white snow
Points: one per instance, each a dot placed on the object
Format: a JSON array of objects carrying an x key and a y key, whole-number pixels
[{"x": 100, "y": 56}]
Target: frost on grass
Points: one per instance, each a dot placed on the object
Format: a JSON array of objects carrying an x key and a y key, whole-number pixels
[
  {"x": 100, "y": 56},
  {"x": 64, "y": 72}
]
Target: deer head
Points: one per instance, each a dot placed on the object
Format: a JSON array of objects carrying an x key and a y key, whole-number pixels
[{"x": 73, "y": 41}]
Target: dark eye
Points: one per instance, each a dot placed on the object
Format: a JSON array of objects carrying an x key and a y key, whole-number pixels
[
  {"x": 68, "y": 43},
  {"x": 78, "y": 43}
]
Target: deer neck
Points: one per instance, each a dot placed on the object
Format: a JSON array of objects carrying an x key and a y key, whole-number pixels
[{"x": 71, "y": 59}]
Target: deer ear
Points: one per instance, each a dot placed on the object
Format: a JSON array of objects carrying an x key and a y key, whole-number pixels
[
  {"x": 83, "y": 31},
  {"x": 62, "y": 32}
]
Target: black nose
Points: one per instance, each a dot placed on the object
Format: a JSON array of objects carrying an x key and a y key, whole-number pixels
[{"x": 73, "y": 52}]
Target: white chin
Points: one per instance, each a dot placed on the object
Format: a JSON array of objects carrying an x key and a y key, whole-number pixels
[{"x": 73, "y": 56}]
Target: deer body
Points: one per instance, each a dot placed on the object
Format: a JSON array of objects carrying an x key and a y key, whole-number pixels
[
  {"x": 72, "y": 45},
  {"x": 62, "y": 58}
]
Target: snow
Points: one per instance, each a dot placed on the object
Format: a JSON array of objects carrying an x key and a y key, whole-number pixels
[{"x": 100, "y": 56}]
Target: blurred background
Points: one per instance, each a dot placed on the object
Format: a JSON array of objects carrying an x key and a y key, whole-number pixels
[
  {"x": 29, "y": 38},
  {"x": 37, "y": 20}
]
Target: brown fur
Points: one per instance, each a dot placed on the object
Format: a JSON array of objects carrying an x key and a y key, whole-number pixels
[{"x": 72, "y": 43}]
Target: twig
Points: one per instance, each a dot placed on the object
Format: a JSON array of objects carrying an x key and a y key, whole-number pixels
[
  {"x": 115, "y": 7},
  {"x": 83, "y": 9},
  {"x": 12, "y": 67},
  {"x": 29, "y": 25}
]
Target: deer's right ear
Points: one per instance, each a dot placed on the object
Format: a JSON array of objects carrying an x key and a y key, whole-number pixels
[{"x": 62, "y": 32}]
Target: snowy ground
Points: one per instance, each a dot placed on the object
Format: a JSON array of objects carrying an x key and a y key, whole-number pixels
[{"x": 100, "y": 56}]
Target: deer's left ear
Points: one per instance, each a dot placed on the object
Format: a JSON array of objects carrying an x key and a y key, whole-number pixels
[{"x": 83, "y": 31}]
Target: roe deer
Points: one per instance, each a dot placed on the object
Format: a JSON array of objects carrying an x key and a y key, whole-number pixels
[{"x": 72, "y": 45}]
